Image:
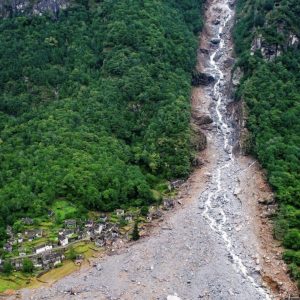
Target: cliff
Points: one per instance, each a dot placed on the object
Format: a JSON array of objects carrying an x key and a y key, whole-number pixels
[
  {"x": 10, "y": 8},
  {"x": 268, "y": 28}
]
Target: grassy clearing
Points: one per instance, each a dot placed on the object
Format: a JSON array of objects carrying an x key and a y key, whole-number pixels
[
  {"x": 63, "y": 209},
  {"x": 82, "y": 247},
  {"x": 55, "y": 274},
  {"x": 13, "y": 282}
]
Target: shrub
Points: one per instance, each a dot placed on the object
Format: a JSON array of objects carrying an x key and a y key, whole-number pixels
[
  {"x": 7, "y": 267},
  {"x": 135, "y": 233},
  {"x": 27, "y": 266},
  {"x": 292, "y": 239}
]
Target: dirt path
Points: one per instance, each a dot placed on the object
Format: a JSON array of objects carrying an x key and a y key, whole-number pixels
[{"x": 210, "y": 248}]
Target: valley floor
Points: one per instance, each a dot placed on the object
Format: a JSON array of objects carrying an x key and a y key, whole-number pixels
[{"x": 214, "y": 245}]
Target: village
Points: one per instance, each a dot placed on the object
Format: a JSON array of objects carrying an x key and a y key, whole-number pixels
[{"x": 46, "y": 248}]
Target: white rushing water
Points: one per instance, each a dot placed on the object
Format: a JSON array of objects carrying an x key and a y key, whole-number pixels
[{"x": 213, "y": 207}]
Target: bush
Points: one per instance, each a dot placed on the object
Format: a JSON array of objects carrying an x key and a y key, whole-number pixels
[
  {"x": 294, "y": 270},
  {"x": 280, "y": 228},
  {"x": 144, "y": 211},
  {"x": 7, "y": 267},
  {"x": 292, "y": 239},
  {"x": 291, "y": 256},
  {"x": 268, "y": 5},
  {"x": 27, "y": 266},
  {"x": 72, "y": 254},
  {"x": 259, "y": 20},
  {"x": 135, "y": 233}
]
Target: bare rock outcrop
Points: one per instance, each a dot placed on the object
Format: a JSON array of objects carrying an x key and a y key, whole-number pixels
[
  {"x": 199, "y": 140},
  {"x": 10, "y": 8}
]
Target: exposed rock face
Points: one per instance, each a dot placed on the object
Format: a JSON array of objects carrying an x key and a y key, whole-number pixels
[
  {"x": 242, "y": 138},
  {"x": 199, "y": 140},
  {"x": 271, "y": 51},
  {"x": 268, "y": 51},
  {"x": 237, "y": 75},
  {"x": 202, "y": 79},
  {"x": 10, "y": 8},
  {"x": 293, "y": 41}
]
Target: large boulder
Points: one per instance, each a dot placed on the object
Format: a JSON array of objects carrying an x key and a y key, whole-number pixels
[
  {"x": 199, "y": 78},
  {"x": 202, "y": 119},
  {"x": 199, "y": 140},
  {"x": 215, "y": 41}
]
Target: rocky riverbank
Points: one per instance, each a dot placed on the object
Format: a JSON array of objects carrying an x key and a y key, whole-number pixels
[{"x": 211, "y": 246}]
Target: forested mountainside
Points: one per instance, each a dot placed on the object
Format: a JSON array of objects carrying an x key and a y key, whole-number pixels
[
  {"x": 94, "y": 104},
  {"x": 267, "y": 44}
]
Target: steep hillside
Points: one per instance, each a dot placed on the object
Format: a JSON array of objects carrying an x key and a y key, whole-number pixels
[
  {"x": 267, "y": 44},
  {"x": 94, "y": 104}
]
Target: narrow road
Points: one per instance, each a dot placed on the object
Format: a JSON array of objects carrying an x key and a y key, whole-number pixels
[
  {"x": 53, "y": 250},
  {"x": 210, "y": 248}
]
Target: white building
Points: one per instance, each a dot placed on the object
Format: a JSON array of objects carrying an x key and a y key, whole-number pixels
[
  {"x": 98, "y": 228},
  {"x": 63, "y": 240},
  {"x": 43, "y": 248}
]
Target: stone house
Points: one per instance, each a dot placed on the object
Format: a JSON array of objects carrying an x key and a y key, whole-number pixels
[
  {"x": 63, "y": 240},
  {"x": 66, "y": 232},
  {"x": 8, "y": 247},
  {"x": 30, "y": 236},
  {"x": 27, "y": 221},
  {"x": 33, "y": 234},
  {"x": 120, "y": 212},
  {"x": 51, "y": 260},
  {"x": 98, "y": 229},
  {"x": 38, "y": 233},
  {"x": 89, "y": 224},
  {"x": 128, "y": 217},
  {"x": 13, "y": 241},
  {"x": 102, "y": 218},
  {"x": 17, "y": 264},
  {"x": 48, "y": 260},
  {"x": 88, "y": 233},
  {"x": 43, "y": 248},
  {"x": 37, "y": 263},
  {"x": 20, "y": 238},
  {"x": 168, "y": 203},
  {"x": 9, "y": 231},
  {"x": 100, "y": 242},
  {"x": 70, "y": 223},
  {"x": 22, "y": 252}
]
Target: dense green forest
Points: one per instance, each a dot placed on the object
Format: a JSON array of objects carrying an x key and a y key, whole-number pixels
[
  {"x": 94, "y": 104},
  {"x": 271, "y": 89}
]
